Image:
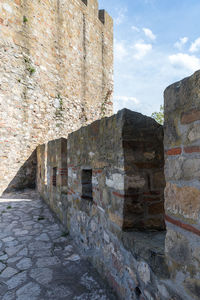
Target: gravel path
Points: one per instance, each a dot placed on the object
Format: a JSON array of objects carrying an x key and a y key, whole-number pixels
[{"x": 37, "y": 259}]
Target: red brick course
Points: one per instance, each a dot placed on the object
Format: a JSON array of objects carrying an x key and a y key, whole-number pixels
[
  {"x": 174, "y": 151},
  {"x": 182, "y": 225},
  {"x": 192, "y": 149}
]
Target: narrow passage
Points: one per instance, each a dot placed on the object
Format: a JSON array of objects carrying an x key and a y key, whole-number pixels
[{"x": 38, "y": 261}]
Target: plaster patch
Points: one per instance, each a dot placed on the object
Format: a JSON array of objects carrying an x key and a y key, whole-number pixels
[{"x": 116, "y": 181}]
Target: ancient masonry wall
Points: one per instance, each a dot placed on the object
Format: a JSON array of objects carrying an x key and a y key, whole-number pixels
[
  {"x": 182, "y": 193},
  {"x": 52, "y": 176},
  {"x": 56, "y": 65},
  {"x": 113, "y": 207},
  {"x": 114, "y": 202}
]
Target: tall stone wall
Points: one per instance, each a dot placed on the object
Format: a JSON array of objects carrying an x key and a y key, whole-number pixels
[
  {"x": 182, "y": 193},
  {"x": 56, "y": 65}
]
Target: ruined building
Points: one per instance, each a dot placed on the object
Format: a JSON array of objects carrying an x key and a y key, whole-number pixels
[{"x": 126, "y": 188}]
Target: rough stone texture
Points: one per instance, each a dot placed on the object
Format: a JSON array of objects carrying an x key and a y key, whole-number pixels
[
  {"x": 56, "y": 62},
  {"x": 125, "y": 156},
  {"x": 52, "y": 157},
  {"x": 46, "y": 270},
  {"x": 115, "y": 183},
  {"x": 144, "y": 169},
  {"x": 182, "y": 193}
]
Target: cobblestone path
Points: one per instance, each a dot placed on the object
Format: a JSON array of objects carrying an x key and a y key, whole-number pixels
[{"x": 37, "y": 260}]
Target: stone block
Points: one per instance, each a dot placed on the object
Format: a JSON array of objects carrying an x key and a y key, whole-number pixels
[
  {"x": 192, "y": 286},
  {"x": 183, "y": 201},
  {"x": 191, "y": 169},
  {"x": 173, "y": 168},
  {"x": 177, "y": 95},
  {"x": 194, "y": 132},
  {"x": 177, "y": 249}
]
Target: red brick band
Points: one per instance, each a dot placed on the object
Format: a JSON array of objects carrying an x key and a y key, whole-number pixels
[
  {"x": 97, "y": 171},
  {"x": 174, "y": 151},
  {"x": 192, "y": 149},
  {"x": 182, "y": 225},
  {"x": 118, "y": 195}
]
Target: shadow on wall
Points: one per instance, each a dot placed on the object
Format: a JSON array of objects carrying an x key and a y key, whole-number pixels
[{"x": 26, "y": 175}]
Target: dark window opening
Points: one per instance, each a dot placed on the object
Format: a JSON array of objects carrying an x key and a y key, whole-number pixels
[
  {"x": 137, "y": 291},
  {"x": 84, "y": 1},
  {"x": 54, "y": 176},
  {"x": 102, "y": 15},
  {"x": 86, "y": 182}
]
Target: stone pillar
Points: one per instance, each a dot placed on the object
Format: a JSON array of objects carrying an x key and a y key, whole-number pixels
[
  {"x": 144, "y": 180},
  {"x": 182, "y": 193}
]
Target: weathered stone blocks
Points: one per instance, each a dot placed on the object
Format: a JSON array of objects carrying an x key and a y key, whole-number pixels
[
  {"x": 52, "y": 175},
  {"x": 182, "y": 192},
  {"x": 56, "y": 65},
  {"x": 115, "y": 184}
]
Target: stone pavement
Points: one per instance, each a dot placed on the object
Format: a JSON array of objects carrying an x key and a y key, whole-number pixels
[{"x": 38, "y": 261}]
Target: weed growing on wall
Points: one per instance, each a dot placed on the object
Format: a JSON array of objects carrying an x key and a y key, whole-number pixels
[{"x": 105, "y": 102}]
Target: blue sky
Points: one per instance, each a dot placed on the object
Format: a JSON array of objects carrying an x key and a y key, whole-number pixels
[{"x": 157, "y": 42}]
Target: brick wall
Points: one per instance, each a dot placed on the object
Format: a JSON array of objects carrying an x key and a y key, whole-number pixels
[{"x": 56, "y": 63}]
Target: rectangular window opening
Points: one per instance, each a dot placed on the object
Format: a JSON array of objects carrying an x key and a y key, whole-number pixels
[
  {"x": 54, "y": 181},
  {"x": 86, "y": 181}
]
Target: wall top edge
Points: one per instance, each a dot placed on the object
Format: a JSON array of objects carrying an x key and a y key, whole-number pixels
[{"x": 102, "y": 14}]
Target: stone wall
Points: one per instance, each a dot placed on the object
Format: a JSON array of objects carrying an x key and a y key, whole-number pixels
[
  {"x": 111, "y": 168},
  {"x": 52, "y": 176},
  {"x": 123, "y": 153},
  {"x": 26, "y": 175},
  {"x": 182, "y": 193},
  {"x": 56, "y": 65},
  {"x": 113, "y": 202}
]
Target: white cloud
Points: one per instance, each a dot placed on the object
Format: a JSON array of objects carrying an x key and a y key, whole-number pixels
[
  {"x": 185, "y": 61},
  {"x": 134, "y": 28},
  {"x": 120, "y": 16},
  {"x": 181, "y": 42},
  {"x": 127, "y": 99},
  {"x": 141, "y": 49},
  {"x": 195, "y": 46},
  {"x": 121, "y": 102},
  {"x": 149, "y": 34},
  {"x": 120, "y": 50}
]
